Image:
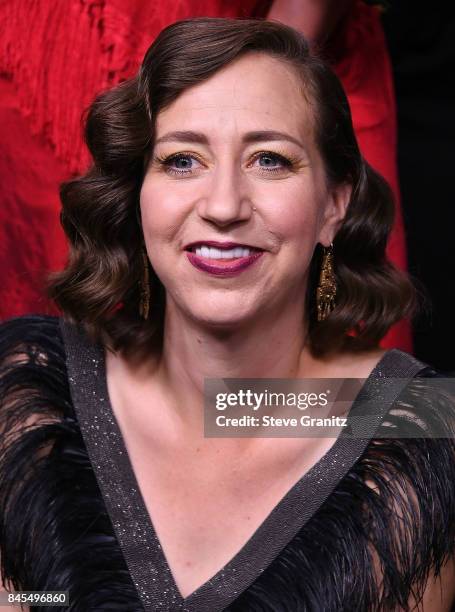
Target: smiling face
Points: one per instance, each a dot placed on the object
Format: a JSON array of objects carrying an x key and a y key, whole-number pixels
[{"x": 235, "y": 162}]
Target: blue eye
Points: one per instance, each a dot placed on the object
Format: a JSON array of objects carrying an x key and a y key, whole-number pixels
[
  {"x": 179, "y": 164},
  {"x": 185, "y": 160},
  {"x": 269, "y": 160},
  {"x": 272, "y": 159}
]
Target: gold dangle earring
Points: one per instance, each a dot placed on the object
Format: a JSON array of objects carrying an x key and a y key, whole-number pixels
[
  {"x": 145, "y": 287},
  {"x": 327, "y": 289}
]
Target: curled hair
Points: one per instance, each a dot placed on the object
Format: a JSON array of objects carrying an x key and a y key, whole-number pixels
[{"x": 100, "y": 285}]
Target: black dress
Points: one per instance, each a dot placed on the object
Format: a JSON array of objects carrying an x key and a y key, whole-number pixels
[{"x": 72, "y": 517}]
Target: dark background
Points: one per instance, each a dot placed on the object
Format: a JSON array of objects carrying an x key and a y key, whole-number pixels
[{"x": 421, "y": 40}]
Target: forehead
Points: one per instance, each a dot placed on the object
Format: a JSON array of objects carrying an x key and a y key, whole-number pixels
[{"x": 255, "y": 92}]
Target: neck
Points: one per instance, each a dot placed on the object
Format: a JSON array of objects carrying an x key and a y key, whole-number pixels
[{"x": 271, "y": 348}]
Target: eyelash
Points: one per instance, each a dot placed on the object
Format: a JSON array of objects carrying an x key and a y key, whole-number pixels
[{"x": 166, "y": 161}]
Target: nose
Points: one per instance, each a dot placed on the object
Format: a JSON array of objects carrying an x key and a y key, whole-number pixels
[{"x": 226, "y": 200}]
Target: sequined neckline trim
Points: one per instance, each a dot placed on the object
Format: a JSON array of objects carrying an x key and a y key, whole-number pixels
[{"x": 132, "y": 524}]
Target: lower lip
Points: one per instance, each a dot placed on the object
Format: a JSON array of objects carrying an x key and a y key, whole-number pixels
[{"x": 223, "y": 267}]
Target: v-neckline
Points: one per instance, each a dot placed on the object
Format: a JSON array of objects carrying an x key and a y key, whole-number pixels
[{"x": 132, "y": 523}]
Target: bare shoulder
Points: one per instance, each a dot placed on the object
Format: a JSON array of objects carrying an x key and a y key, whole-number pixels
[{"x": 360, "y": 365}]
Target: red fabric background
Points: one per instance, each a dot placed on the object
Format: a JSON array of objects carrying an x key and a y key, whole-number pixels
[{"x": 56, "y": 55}]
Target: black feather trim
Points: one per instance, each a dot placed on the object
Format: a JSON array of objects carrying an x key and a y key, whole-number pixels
[{"x": 55, "y": 533}]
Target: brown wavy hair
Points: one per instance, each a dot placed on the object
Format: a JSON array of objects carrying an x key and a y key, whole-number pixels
[{"x": 100, "y": 213}]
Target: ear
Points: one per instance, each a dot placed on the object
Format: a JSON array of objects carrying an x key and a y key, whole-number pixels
[{"x": 336, "y": 207}]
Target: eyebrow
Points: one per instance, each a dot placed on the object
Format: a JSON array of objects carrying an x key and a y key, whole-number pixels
[{"x": 248, "y": 138}]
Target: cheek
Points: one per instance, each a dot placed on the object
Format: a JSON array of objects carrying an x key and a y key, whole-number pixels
[
  {"x": 295, "y": 215},
  {"x": 157, "y": 213},
  {"x": 155, "y": 228}
]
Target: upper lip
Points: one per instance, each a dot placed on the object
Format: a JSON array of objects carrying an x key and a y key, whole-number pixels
[{"x": 220, "y": 245}]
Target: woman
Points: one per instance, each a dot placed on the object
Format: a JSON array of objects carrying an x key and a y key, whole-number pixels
[
  {"x": 228, "y": 228},
  {"x": 49, "y": 83}
]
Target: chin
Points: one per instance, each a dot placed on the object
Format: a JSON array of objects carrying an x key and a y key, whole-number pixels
[
  {"x": 222, "y": 314},
  {"x": 222, "y": 321}
]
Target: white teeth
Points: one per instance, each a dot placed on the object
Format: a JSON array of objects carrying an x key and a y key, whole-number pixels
[{"x": 214, "y": 253}]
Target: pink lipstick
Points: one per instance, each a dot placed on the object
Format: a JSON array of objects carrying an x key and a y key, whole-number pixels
[{"x": 225, "y": 259}]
